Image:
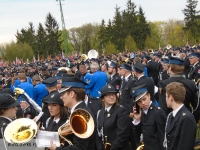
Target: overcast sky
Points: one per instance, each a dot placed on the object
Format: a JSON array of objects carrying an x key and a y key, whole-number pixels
[{"x": 15, "y": 14}]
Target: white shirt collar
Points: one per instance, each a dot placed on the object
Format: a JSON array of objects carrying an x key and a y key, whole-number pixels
[
  {"x": 195, "y": 64},
  {"x": 72, "y": 109},
  {"x": 176, "y": 111},
  {"x": 146, "y": 111},
  {"x": 108, "y": 108},
  {"x": 57, "y": 120},
  {"x": 140, "y": 76},
  {"x": 126, "y": 78}
]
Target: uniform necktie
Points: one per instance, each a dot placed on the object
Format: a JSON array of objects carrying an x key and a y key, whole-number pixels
[
  {"x": 106, "y": 112},
  {"x": 53, "y": 125}
]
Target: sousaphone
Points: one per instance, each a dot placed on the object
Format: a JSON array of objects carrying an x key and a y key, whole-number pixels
[{"x": 20, "y": 131}]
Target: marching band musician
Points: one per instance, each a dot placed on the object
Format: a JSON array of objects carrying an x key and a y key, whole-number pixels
[
  {"x": 112, "y": 122},
  {"x": 8, "y": 110},
  {"x": 176, "y": 70},
  {"x": 58, "y": 113},
  {"x": 72, "y": 94},
  {"x": 50, "y": 83},
  {"x": 115, "y": 79},
  {"x": 127, "y": 82},
  {"x": 194, "y": 73},
  {"x": 28, "y": 110},
  {"x": 180, "y": 130},
  {"x": 149, "y": 120}
]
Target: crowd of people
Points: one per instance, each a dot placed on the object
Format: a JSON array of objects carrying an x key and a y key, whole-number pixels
[{"x": 145, "y": 98}]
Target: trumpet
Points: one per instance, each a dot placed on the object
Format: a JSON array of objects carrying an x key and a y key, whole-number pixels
[
  {"x": 107, "y": 146},
  {"x": 80, "y": 123}
]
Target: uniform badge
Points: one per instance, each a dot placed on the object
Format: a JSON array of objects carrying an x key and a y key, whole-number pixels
[
  {"x": 184, "y": 114},
  {"x": 158, "y": 107},
  {"x": 108, "y": 115},
  {"x": 52, "y": 96},
  {"x": 151, "y": 107},
  {"x": 198, "y": 71},
  {"x": 133, "y": 91}
]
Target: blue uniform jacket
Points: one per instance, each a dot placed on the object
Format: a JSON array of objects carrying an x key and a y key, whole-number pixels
[
  {"x": 97, "y": 81},
  {"x": 39, "y": 92},
  {"x": 27, "y": 87}
]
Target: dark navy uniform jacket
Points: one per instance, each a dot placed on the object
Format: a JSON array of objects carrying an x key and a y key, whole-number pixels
[
  {"x": 152, "y": 126},
  {"x": 115, "y": 81},
  {"x": 190, "y": 92},
  {"x": 116, "y": 127},
  {"x": 181, "y": 131},
  {"x": 194, "y": 73}
]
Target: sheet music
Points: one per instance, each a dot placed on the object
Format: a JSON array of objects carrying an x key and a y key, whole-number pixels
[{"x": 44, "y": 137}]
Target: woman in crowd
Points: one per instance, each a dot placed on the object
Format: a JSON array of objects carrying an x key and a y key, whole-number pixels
[
  {"x": 112, "y": 122},
  {"x": 8, "y": 110}
]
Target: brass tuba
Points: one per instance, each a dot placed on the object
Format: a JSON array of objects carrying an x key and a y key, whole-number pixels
[
  {"x": 20, "y": 131},
  {"x": 92, "y": 54},
  {"x": 168, "y": 46},
  {"x": 80, "y": 123}
]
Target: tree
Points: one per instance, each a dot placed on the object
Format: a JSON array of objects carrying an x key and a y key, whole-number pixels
[
  {"x": 27, "y": 36},
  {"x": 130, "y": 44},
  {"x": 110, "y": 49},
  {"x": 20, "y": 50},
  {"x": 155, "y": 38},
  {"x": 143, "y": 29},
  {"x": 41, "y": 40},
  {"x": 53, "y": 45},
  {"x": 84, "y": 38},
  {"x": 117, "y": 30},
  {"x": 191, "y": 18}
]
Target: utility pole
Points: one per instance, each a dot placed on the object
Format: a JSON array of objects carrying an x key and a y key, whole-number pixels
[{"x": 64, "y": 31}]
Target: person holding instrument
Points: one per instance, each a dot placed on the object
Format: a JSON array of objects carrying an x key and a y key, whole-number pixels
[
  {"x": 149, "y": 120},
  {"x": 72, "y": 94},
  {"x": 112, "y": 122},
  {"x": 8, "y": 110}
]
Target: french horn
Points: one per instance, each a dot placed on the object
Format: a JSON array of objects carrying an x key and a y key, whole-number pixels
[
  {"x": 80, "y": 123},
  {"x": 20, "y": 131}
]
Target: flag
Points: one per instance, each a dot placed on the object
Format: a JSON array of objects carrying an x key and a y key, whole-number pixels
[
  {"x": 34, "y": 60},
  {"x": 187, "y": 43},
  {"x": 63, "y": 56}
]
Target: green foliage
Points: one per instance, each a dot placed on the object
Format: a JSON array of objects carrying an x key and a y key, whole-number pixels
[
  {"x": 192, "y": 16},
  {"x": 53, "y": 34},
  {"x": 130, "y": 44},
  {"x": 84, "y": 38},
  {"x": 20, "y": 50},
  {"x": 110, "y": 49}
]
